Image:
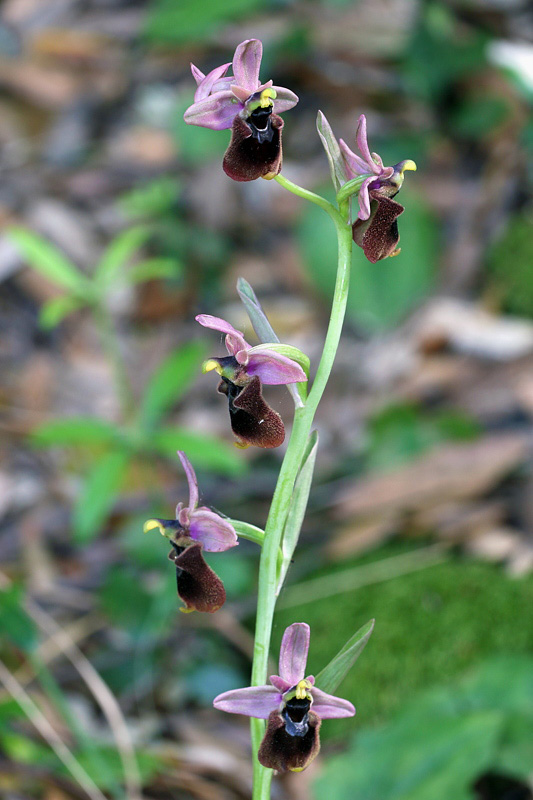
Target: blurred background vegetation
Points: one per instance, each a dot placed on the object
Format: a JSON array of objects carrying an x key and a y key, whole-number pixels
[{"x": 118, "y": 226}]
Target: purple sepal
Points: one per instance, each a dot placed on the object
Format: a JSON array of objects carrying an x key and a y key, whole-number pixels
[
  {"x": 293, "y": 652},
  {"x": 219, "y": 98},
  {"x": 253, "y": 701},
  {"x": 235, "y": 341},
  {"x": 216, "y": 111},
  {"x": 247, "y": 63},
  {"x": 327, "y": 706},
  {"x": 273, "y": 368},
  {"x": 191, "y": 479},
  {"x": 285, "y": 99},
  {"x": 215, "y": 533},
  {"x": 279, "y": 683},
  {"x": 206, "y": 84}
]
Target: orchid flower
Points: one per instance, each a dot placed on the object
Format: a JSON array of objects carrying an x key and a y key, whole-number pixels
[
  {"x": 376, "y": 227},
  {"x": 292, "y": 704},
  {"x": 195, "y": 529},
  {"x": 242, "y": 374},
  {"x": 247, "y": 106}
]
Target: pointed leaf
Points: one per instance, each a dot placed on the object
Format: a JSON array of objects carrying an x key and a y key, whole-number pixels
[
  {"x": 48, "y": 260},
  {"x": 264, "y": 330},
  {"x": 78, "y": 430},
  {"x": 170, "y": 380},
  {"x": 119, "y": 252},
  {"x": 266, "y": 333},
  {"x": 333, "y": 152},
  {"x": 98, "y": 495},
  {"x": 339, "y": 666},
  {"x": 206, "y": 451},
  {"x": 298, "y": 507}
]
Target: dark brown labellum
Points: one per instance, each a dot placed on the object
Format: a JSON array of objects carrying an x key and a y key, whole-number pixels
[
  {"x": 252, "y": 420},
  {"x": 378, "y": 235},
  {"x": 255, "y": 147},
  {"x": 283, "y": 751},
  {"x": 198, "y": 586}
]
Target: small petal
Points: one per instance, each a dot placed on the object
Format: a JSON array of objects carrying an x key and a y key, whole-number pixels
[
  {"x": 293, "y": 652},
  {"x": 198, "y": 586},
  {"x": 240, "y": 93},
  {"x": 197, "y": 74},
  {"x": 247, "y": 63},
  {"x": 355, "y": 165},
  {"x": 253, "y": 422},
  {"x": 215, "y": 533},
  {"x": 253, "y": 701},
  {"x": 191, "y": 479},
  {"x": 205, "y": 86},
  {"x": 280, "y": 684},
  {"x": 364, "y": 199},
  {"x": 283, "y": 752},
  {"x": 272, "y": 368},
  {"x": 362, "y": 143},
  {"x": 235, "y": 341},
  {"x": 285, "y": 99},
  {"x": 216, "y": 112},
  {"x": 327, "y": 706}
]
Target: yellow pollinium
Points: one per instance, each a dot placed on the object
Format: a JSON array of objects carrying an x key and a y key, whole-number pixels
[
  {"x": 302, "y": 690},
  {"x": 210, "y": 365},
  {"x": 150, "y": 524},
  {"x": 267, "y": 98},
  {"x": 408, "y": 166},
  {"x": 297, "y": 769}
]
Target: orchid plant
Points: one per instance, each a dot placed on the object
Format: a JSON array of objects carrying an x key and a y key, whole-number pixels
[{"x": 287, "y": 713}]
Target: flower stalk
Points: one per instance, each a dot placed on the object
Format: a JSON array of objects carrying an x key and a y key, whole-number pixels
[{"x": 303, "y": 420}]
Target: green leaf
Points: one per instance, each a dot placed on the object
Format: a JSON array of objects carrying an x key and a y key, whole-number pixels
[
  {"x": 119, "y": 252},
  {"x": 154, "y": 268},
  {"x": 204, "y": 451},
  {"x": 49, "y": 261},
  {"x": 264, "y": 330},
  {"x": 334, "y": 673},
  {"x": 266, "y": 333},
  {"x": 15, "y": 625},
  {"x": 98, "y": 495},
  {"x": 298, "y": 506},
  {"x": 75, "y": 431},
  {"x": 54, "y": 311},
  {"x": 333, "y": 152},
  {"x": 170, "y": 381}
]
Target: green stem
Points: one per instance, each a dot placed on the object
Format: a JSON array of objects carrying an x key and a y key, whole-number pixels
[
  {"x": 317, "y": 199},
  {"x": 303, "y": 420}
]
